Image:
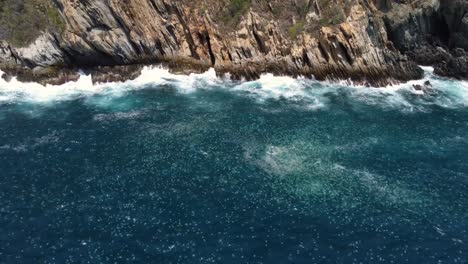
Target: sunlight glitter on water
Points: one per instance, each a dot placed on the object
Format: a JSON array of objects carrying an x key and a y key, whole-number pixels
[{"x": 199, "y": 169}]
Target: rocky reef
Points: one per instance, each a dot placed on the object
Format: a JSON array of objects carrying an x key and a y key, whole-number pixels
[{"x": 372, "y": 42}]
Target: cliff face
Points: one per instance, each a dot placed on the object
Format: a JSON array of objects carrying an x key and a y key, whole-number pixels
[
  {"x": 431, "y": 33},
  {"x": 326, "y": 39}
]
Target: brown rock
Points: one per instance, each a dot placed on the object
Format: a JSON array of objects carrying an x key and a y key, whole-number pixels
[{"x": 193, "y": 35}]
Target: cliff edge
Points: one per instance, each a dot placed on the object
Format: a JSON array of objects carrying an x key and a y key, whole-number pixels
[{"x": 372, "y": 42}]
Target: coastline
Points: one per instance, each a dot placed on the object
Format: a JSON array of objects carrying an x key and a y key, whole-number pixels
[
  {"x": 250, "y": 70},
  {"x": 160, "y": 75},
  {"x": 373, "y": 43},
  {"x": 88, "y": 170},
  {"x": 233, "y": 131}
]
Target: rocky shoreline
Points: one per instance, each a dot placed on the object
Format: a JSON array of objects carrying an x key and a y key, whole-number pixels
[{"x": 370, "y": 42}]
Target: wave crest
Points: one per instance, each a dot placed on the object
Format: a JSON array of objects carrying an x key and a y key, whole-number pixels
[{"x": 310, "y": 93}]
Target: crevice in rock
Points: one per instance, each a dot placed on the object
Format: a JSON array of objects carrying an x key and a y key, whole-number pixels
[
  {"x": 160, "y": 47},
  {"x": 260, "y": 42},
  {"x": 210, "y": 49},
  {"x": 442, "y": 30},
  {"x": 171, "y": 30},
  {"x": 101, "y": 27},
  {"x": 14, "y": 55},
  {"x": 323, "y": 51},
  {"x": 345, "y": 52},
  {"x": 238, "y": 54},
  {"x": 155, "y": 7},
  {"x": 98, "y": 58},
  {"x": 305, "y": 58},
  {"x": 68, "y": 58},
  {"x": 126, "y": 31},
  {"x": 168, "y": 41},
  {"x": 187, "y": 33},
  {"x": 246, "y": 53}
]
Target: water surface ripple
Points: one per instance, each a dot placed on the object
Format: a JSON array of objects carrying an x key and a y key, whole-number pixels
[{"x": 196, "y": 169}]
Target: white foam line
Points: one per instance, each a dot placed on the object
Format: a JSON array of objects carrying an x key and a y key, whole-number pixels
[
  {"x": 268, "y": 86},
  {"x": 16, "y": 90}
]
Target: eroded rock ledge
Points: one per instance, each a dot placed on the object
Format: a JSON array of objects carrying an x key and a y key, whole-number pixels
[{"x": 373, "y": 42}]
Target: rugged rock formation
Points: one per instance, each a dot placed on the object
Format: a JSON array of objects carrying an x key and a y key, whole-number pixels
[
  {"x": 432, "y": 33},
  {"x": 356, "y": 39}
]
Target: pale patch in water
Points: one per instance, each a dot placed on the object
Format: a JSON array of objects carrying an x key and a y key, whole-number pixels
[
  {"x": 118, "y": 116},
  {"x": 31, "y": 143},
  {"x": 307, "y": 170},
  {"x": 281, "y": 160},
  {"x": 393, "y": 193}
]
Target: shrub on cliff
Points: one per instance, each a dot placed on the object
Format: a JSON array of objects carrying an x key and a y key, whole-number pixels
[
  {"x": 22, "y": 21},
  {"x": 236, "y": 9}
]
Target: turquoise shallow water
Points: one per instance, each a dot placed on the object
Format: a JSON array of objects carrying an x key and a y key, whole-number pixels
[{"x": 195, "y": 169}]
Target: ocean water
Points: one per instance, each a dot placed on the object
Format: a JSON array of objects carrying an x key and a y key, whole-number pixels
[{"x": 198, "y": 169}]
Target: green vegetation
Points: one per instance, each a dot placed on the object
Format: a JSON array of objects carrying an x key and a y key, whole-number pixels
[
  {"x": 55, "y": 19},
  {"x": 332, "y": 14},
  {"x": 203, "y": 9},
  {"x": 238, "y": 6},
  {"x": 22, "y": 21},
  {"x": 295, "y": 29},
  {"x": 236, "y": 9},
  {"x": 302, "y": 8}
]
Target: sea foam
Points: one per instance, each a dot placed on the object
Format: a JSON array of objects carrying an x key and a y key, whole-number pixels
[{"x": 314, "y": 94}]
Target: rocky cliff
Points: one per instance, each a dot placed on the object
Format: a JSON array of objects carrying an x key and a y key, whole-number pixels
[
  {"x": 374, "y": 42},
  {"x": 431, "y": 33}
]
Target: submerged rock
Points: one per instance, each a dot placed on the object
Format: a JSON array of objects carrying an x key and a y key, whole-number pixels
[
  {"x": 418, "y": 87},
  {"x": 426, "y": 88}
]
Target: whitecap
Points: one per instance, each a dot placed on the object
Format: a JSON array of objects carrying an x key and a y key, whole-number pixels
[
  {"x": 15, "y": 90},
  {"x": 270, "y": 86},
  {"x": 307, "y": 93},
  {"x": 184, "y": 83}
]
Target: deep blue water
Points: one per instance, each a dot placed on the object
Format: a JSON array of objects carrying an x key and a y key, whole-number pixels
[{"x": 198, "y": 170}]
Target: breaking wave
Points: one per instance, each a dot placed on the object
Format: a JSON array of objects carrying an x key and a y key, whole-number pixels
[
  {"x": 164, "y": 158},
  {"x": 311, "y": 94}
]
